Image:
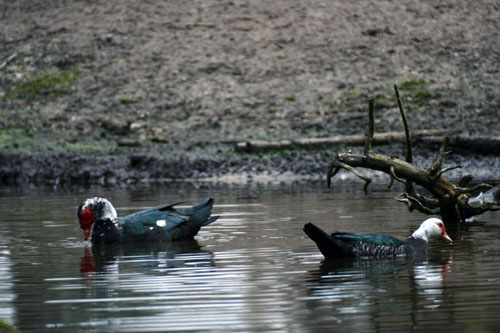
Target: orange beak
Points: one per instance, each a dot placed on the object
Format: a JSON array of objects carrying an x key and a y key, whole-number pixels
[{"x": 445, "y": 236}]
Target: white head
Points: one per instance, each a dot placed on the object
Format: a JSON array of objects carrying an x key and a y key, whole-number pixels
[
  {"x": 93, "y": 209},
  {"x": 431, "y": 228}
]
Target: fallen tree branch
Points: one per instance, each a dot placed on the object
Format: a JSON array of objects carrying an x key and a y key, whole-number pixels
[
  {"x": 409, "y": 147},
  {"x": 410, "y": 187},
  {"x": 478, "y": 187},
  {"x": 349, "y": 140},
  {"x": 371, "y": 128},
  {"x": 473, "y": 211},
  {"x": 436, "y": 165},
  {"x": 414, "y": 203},
  {"x": 450, "y": 200},
  {"x": 477, "y": 144},
  {"x": 336, "y": 165},
  {"x": 443, "y": 170},
  {"x": 394, "y": 177}
]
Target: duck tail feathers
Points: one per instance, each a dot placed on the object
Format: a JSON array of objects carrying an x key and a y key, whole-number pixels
[
  {"x": 202, "y": 211},
  {"x": 206, "y": 203},
  {"x": 326, "y": 244},
  {"x": 210, "y": 220}
]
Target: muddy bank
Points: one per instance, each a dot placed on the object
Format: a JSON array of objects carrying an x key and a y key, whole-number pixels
[
  {"x": 119, "y": 91},
  {"x": 126, "y": 168},
  {"x": 296, "y": 165}
]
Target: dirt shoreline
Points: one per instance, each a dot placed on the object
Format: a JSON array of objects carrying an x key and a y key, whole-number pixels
[
  {"x": 275, "y": 167},
  {"x": 113, "y": 92}
]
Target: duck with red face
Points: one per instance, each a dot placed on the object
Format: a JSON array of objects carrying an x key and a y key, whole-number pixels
[{"x": 99, "y": 221}]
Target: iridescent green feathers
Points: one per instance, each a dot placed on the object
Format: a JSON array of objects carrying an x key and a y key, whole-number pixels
[
  {"x": 346, "y": 245},
  {"x": 341, "y": 245},
  {"x": 375, "y": 239},
  {"x": 172, "y": 223},
  {"x": 164, "y": 223}
]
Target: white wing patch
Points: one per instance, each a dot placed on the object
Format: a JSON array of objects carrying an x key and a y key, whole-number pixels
[{"x": 161, "y": 223}]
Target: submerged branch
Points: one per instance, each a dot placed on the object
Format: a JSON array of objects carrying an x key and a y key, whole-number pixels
[
  {"x": 414, "y": 203},
  {"x": 470, "y": 211},
  {"x": 453, "y": 202},
  {"x": 478, "y": 187}
]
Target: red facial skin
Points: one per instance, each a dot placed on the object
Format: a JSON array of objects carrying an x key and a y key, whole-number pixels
[
  {"x": 443, "y": 232},
  {"x": 86, "y": 221}
]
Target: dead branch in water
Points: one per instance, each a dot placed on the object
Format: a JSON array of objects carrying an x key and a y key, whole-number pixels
[{"x": 448, "y": 199}]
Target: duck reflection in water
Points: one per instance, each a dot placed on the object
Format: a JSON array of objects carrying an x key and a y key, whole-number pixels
[
  {"x": 101, "y": 258},
  {"x": 380, "y": 291}
]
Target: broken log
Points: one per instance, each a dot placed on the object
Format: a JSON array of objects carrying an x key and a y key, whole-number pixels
[
  {"x": 349, "y": 140},
  {"x": 477, "y": 144},
  {"x": 473, "y": 143},
  {"x": 448, "y": 199}
]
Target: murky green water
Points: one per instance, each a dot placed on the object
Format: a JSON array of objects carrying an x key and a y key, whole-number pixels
[{"x": 251, "y": 270}]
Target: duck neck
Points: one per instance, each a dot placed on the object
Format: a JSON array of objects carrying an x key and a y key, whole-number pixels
[
  {"x": 106, "y": 231},
  {"x": 420, "y": 233},
  {"x": 108, "y": 211}
]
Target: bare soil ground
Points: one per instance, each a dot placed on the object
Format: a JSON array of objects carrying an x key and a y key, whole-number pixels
[{"x": 161, "y": 89}]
